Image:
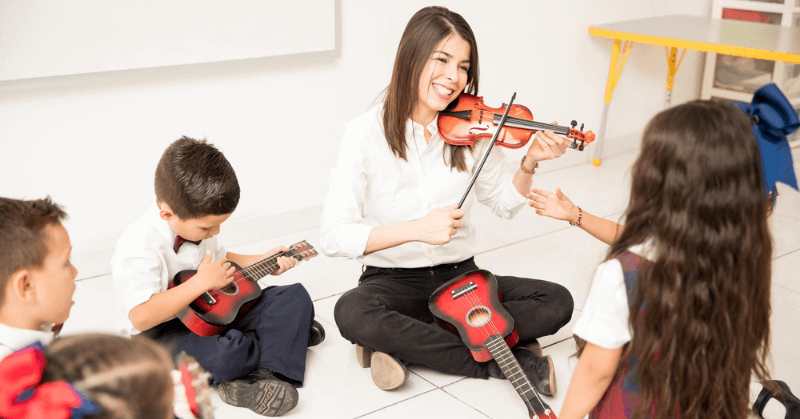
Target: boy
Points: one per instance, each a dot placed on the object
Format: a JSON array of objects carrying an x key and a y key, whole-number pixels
[
  {"x": 37, "y": 279},
  {"x": 261, "y": 356}
]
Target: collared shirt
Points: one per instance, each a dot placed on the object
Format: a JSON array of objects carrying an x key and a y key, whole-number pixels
[
  {"x": 371, "y": 187},
  {"x": 13, "y": 339},
  {"x": 144, "y": 263},
  {"x": 605, "y": 314}
]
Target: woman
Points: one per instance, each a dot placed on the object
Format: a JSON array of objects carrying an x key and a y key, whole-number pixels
[{"x": 392, "y": 205}]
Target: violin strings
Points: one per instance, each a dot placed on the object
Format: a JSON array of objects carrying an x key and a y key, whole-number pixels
[{"x": 527, "y": 123}]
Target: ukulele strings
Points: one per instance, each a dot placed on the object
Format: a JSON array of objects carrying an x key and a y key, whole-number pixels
[
  {"x": 242, "y": 275},
  {"x": 473, "y": 301}
]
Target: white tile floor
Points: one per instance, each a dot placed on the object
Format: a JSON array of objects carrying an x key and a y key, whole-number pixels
[{"x": 528, "y": 246}]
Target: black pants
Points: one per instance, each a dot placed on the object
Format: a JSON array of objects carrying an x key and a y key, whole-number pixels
[
  {"x": 273, "y": 334},
  {"x": 388, "y": 312}
]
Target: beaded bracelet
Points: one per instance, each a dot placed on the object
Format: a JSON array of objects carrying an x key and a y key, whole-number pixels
[
  {"x": 580, "y": 215},
  {"x": 524, "y": 170}
]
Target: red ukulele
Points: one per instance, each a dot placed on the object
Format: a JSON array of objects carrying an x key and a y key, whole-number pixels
[
  {"x": 470, "y": 304},
  {"x": 212, "y": 312}
]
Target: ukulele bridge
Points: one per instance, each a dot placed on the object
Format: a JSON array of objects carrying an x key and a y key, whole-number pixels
[
  {"x": 462, "y": 290},
  {"x": 208, "y": 298}
]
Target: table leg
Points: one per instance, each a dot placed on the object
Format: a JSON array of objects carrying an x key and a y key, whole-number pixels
[
  {"x": 673, "y": 64},
  {"x": 619, "y": 54}
]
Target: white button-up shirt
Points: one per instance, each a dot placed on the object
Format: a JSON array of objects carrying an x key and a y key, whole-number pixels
[
  {"x": 13, "y": 339},
  {"x": 370, "y": 187},
  {"x": 144, "y": 262}
]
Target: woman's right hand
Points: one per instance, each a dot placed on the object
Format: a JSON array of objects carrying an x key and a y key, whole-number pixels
[
  {"x": 554, "y": 205},
  {"x": 440, "y": 225}
]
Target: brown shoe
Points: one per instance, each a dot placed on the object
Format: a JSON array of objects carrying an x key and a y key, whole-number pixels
[
  {"x": 363, "y": 356},
  {"x": 388, "y": 372}
]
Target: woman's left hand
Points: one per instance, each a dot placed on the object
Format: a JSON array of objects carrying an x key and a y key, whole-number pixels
[
  {"x": 284, "y": 263},
  {"x": 546, "y": 145}
]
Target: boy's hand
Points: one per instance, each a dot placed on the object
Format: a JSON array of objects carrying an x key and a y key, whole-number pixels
[
  {"x": 284, "y": 263},
  {"x": 216, "y": 274}
]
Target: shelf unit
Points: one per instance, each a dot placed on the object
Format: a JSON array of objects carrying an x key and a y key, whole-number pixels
[{"x": 736, "y": 79}]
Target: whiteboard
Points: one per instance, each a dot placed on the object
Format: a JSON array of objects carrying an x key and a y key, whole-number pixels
[{"x": 45, "y": 38}]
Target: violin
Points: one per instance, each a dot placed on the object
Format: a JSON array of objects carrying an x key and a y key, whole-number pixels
[{"x": 467, "y": 119}]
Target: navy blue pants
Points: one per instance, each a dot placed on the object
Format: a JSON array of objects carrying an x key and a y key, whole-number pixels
[
  {"x": 273, "y": 334},
  {"x": 388, "y": 312}
]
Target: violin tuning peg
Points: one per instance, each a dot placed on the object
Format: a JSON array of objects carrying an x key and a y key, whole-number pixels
[
  {"x": 581, "y": 146},
  {"x": 574, "y": 144},
  {"x": 582, "y": 127},
  {"x": 573, "y": 123}
]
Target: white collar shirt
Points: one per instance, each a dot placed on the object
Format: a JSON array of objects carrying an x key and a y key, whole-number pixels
[
  {"x": 370, "y": 187},
  {"x": 13, "y": 339},
  {"x": 144, "y": 262}
]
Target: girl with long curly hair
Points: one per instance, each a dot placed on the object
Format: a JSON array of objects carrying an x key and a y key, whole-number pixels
[{"x": 676, "y": 323}]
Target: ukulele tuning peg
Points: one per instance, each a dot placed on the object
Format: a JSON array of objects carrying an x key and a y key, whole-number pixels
[{"x": 573, "y": 123}]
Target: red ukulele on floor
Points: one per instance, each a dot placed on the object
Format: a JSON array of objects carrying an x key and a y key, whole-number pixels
[
  {"x": 470, "y": 304},
  {"x": 214, "y": 310}
]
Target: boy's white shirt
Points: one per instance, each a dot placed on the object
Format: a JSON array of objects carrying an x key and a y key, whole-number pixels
[
  {"x": 144, "y": 263},
  {"x": 13, "y": 339}
]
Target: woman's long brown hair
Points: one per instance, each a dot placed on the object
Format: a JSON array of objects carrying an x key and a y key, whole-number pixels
[
  {"x": 700, "y": 317},
  {"x": 425, "y": 29}
]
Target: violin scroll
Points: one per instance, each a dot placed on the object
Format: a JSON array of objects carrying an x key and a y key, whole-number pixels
[{"x": 579, "y": 135}]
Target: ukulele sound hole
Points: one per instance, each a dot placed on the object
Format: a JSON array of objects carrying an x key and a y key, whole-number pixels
[
  {"x": 478, "y": 316},
  {"x": 230, "y": 289}
]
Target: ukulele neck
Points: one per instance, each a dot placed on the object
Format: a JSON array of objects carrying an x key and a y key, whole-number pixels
[
  {"x": 268, "y": 265},
  {"x": 508, "y": 363}
]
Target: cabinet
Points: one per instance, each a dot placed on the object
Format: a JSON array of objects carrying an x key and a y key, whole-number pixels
[{"x": 735, "y": 78}]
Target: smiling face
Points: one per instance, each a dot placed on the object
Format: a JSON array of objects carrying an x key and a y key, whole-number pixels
[
  {"x": 443, "y": 78},
  {"x": 54, "y": 281},
  {"x": 193, "y": 228}
]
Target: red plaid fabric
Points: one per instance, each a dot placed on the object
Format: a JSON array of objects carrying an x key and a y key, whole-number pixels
[{"x": 180, "y": 240}]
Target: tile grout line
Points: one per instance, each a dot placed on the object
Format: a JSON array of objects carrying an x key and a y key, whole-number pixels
[
  {"x": 461, "y": 401},
  {"x": 396, "y": 403},
  {"x": 464, "y": 403}
]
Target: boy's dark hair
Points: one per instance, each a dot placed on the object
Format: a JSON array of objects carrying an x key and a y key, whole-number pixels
[
  {"x": 195, "y": 179},
  {"x": 22, "y": 234}
]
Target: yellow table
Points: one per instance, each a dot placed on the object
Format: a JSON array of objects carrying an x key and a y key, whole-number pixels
[{"x": 721, "y": 36}]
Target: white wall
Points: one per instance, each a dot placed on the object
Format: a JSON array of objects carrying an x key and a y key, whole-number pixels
[{"x": 92, "y": 142}]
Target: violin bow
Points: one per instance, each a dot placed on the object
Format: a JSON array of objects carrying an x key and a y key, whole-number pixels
[{"x": 488, "y": 150}]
